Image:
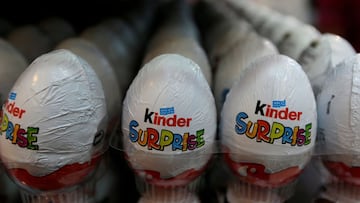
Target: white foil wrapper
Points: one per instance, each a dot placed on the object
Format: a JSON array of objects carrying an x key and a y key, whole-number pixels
[
  {"x": 169, "y": 118},
  {"x": 269, "y": 117},
  {"x": 338, "y": 110},
  {"x": 90, "y": 53},
  {"x": 340, "y": 48},
  {"x": 53, "y": 115}
]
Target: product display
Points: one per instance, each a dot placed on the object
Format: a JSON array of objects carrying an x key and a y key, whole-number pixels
[{"x": 183, "y": 101}]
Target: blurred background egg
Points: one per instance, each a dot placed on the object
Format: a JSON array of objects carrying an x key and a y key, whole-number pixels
[
  {"x": 57, "y": 29},
  {"x": 295, "y": 41},
  {"x": 337, "y": 105},
  {"x": 322, "y": 55},
  {"x": 114, "y": 48},
  {"x": 30, "y": 41}
]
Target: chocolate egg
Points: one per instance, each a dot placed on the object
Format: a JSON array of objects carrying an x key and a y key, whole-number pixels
[
  {"x": 53, "y": 123},
  {"x": 267, "y": 127},
  {"x": 169, "y": 121},
  {"x": 338, "y": 104}
]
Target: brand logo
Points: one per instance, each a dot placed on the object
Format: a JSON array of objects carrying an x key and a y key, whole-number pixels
[
  {"x": 163, "y": 118},
  {"x": 264, "y": 131},
  {"x": 275, "y": 111},
  {"x": 160, "y": 139},
  {"x": 23, "y": 137}
]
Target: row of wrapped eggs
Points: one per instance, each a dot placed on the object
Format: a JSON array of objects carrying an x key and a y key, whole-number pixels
[
  {"x": 330, "y": 64},
  {"x": 188, "y": 113},
  {"x": 177, "y": 125},
  {"x": 64, "y": 134}
]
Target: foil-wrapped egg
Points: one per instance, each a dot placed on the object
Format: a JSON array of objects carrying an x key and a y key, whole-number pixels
[
  {"x": 169, "y": 121},
  {"x": 268, "y": 122},
  {"x": 53, "y": 123}
]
